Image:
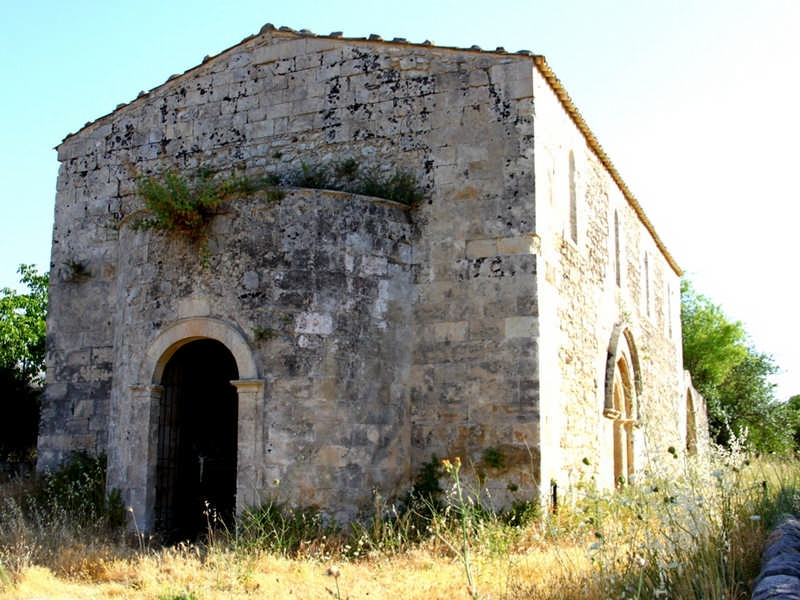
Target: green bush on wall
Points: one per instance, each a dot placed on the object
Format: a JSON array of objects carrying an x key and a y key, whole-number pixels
[{"x": 187, "y": 205}]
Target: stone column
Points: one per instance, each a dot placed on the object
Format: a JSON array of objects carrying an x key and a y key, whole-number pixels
[
  {"x": 139, "y": 452},
  {"x": 250, "y": 452}
]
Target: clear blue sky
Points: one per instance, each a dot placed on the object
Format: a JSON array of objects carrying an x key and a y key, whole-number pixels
[{"x": 696, "y": 102}]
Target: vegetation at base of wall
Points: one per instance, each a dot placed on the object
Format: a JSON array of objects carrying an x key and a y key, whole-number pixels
[
  {"x": 426, "y": 490},
  {"x": 734, "y": 378},
  {"x": 696, "y": 535},
  {"x": 43, "y": 517},
  {"x": 426, "y": 508},
  {"x": 22, "y": 345},
  {"x": 78, "y": 490},
  {"x": 187, "y": 203},
  {"x": 279, "y": 528}
]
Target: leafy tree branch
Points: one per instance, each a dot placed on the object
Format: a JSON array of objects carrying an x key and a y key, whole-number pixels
[
  {"x": 733, "y": 376},
  {"x": 22, "y": 347}
]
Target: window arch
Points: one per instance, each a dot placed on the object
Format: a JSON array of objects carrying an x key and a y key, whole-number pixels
[
  {"x": 617, "y": 251},
  {"x": 573, "y": 200},
  {"x": 622, "y": 390}
]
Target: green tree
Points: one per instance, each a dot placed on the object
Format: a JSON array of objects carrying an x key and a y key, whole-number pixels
[
  {"x": 793, "y": 407},
  {"x": 22, "y": 347},
  {"x": 712, "y": 345},
  {"x": 752, "y": 412},
  {"x": 732, "y": 376}
]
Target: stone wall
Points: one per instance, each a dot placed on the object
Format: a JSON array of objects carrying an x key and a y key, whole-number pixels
[
  {"x": 779, "y": 578},
  {"x": 590, "y": 289},
  {"x": 324, "y": 307},
  {"x": 80, "y": 333},
  {"x": 368, "y": 337},
  {"x": 460, "y": 120}
]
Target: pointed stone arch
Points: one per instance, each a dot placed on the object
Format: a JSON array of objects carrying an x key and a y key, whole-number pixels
[
  {"x": 623, "y": 387},
  {"x": 621, "y": 345}
]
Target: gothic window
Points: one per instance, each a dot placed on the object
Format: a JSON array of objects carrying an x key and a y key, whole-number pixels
[
  {"x": 646, "y": 284},
  {"x": 617, "y": 251},
  {"x": 573, "y": 200},
  {"x": 622, "y": 390},
  {"x": 623, "y": 424}
]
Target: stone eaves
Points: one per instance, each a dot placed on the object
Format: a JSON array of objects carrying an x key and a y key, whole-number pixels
[{"x": 538, "y": 60}]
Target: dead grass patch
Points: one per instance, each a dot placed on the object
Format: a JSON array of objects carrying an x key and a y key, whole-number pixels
[{"x": 689, "y": 538}]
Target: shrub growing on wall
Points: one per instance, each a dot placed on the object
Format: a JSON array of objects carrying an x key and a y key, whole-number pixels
[{"x": 187, "y": 204}]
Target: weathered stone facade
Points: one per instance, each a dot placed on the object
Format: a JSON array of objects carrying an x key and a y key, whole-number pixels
[{"x": 525, "y": 317}]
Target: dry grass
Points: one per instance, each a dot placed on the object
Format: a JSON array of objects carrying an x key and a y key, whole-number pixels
[
  {"x": 418, "y": 574},
  {"x": 693, "y": 537}
]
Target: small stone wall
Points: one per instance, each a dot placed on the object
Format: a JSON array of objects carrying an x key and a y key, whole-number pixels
[{"x": 780, "y": 564}]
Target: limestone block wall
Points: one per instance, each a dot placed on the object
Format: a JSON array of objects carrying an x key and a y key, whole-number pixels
[
  {"x": 461, "y": 120},
  {"x": 75, "y": 407},
  {"x": 323, "y": 306},
  {"x": 475, "y": 369},
  {"x": 596, "y": 282},
  {"x": 368, "y": 337}
]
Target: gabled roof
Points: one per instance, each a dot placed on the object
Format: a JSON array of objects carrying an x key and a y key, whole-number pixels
[{"x": 539, "y": 62}]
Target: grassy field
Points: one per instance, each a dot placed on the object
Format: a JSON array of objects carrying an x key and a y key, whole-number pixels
[{"x": 697, "y": 535}]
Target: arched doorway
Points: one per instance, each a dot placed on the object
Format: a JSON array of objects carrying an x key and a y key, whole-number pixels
[{"x": 197, "y": 440}]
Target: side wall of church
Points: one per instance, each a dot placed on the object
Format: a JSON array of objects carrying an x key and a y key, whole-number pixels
[
  {"x": 593, "y": 283},
  {"x": 462, "y": 121}
]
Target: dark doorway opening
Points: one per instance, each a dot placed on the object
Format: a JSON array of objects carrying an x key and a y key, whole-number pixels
[{"x": 197, "y": 427}]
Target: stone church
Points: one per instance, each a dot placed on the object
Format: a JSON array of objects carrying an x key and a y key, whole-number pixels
[{"x": 319, "y": 349}]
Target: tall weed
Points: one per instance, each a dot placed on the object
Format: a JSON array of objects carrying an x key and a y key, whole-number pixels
[
  {"x": 280, "y": 529},
  {"x": 697, "y": 536},
  {"x": 64, "y": 520},
  {"x": 691, "y": 536}
]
